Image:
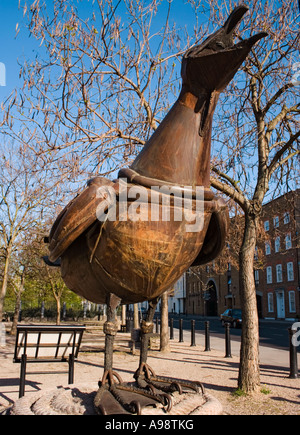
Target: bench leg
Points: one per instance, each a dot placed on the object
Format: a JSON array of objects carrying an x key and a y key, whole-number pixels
[
  {"x": 71, "y": 369},
  {"x": 22, "y": 375}
]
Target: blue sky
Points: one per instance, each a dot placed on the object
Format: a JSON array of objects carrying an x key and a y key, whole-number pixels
[
  {"x": 17, "y": 48},
  {"x": 11, "y": 48}
]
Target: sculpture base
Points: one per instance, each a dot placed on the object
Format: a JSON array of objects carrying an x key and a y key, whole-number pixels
[{"x": 79, "y": 400}]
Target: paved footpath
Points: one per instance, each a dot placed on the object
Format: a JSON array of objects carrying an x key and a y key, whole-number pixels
[
  {"x": 268, "y": 355},
  {"x": 218, "y": 374}
]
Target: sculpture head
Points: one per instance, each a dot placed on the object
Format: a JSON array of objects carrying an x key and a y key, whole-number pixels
[{"x": 211, "y": 65}]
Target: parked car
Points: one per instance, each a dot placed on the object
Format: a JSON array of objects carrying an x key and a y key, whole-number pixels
[{"x": 232, "y": 316}]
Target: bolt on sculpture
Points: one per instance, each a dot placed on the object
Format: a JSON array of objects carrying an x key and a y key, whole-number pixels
[{"x": 121, "y": 260}]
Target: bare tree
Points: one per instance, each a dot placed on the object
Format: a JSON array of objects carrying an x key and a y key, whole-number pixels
[
  {"x": 24, "y": 198},
  {"x": 98, "y": 87},
  {"x": 164, "y": 323},
  {"x": 18, "y": 281},
  {"x": 257, "y": 145}
]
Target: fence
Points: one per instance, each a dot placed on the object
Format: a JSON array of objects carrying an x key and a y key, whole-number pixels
[{"x": 294, "y": 337}]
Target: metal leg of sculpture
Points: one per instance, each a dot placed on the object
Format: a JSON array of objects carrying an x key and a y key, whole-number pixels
[
  {"x": 110, "y": 329},
  {"x": 146, "y": 330},
  {"x": 114, "y": 396},
  {"x": 145, "y": 375}
]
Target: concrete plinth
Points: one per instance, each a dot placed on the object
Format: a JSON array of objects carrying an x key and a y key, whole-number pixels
[{"x": 79, "y": 400}]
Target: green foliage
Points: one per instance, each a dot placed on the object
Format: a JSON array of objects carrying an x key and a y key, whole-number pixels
[
  {"x": 265, "y": 390},
  {"x": 239, "y": 393}
]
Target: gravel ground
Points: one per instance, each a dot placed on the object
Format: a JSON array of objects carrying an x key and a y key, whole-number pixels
[{"x": 279, "y": 394}]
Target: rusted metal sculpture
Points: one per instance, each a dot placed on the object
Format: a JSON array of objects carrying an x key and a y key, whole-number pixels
[{"x": 121, "y": 261}]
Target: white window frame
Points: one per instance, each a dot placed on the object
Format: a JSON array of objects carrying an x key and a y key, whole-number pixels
[
  {"x": 266, "y": 225},
  {"x": 290, "y": 271},
  {"x": 269, "y": 274},
  {"x": 286, "y": 217},
  {"x": 292, "y": 301},
  {"x": 276, "y": 221},
  {"x": 279, "y": 272},
  {"x": 288, "y": 241},
  {"x": 268, "y": 248},
  {"x": 270, "y": 303},
  {"x": 277, "y": 244}
]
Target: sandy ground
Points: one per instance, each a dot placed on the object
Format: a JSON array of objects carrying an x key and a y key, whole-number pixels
[{"x": 279, "y": 395}]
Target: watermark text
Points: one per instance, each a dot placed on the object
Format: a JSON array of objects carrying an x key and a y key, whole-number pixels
[
  {"x": 159, "y": 203},
  {"x": 2, "y": 74},
  {"x": 296, "y": 335}
]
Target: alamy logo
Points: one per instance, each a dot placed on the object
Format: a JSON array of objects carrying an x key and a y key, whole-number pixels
[
  {"x": 162, "y": 203},
  {"x": 296, "y": 335},
  {"x": 2, "y": 74},
  {"x": 296, "y": 76}
]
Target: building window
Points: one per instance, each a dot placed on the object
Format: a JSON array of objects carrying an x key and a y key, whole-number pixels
[
  {"x": 292, "y": 302},
  {"x": 279, "y": 273},
  {"x": 276, "y": 222},
  {"x": 286, "y": 217},
  {"x": 270, "y": 303},
  {"x": 256, "y": 253},
  {"x": 290, "y": 271},
  {"x": 266, "y": 225},
  {"x": 269, "y": 275},
  {"x": 229, "y": 284},
  {"x": 268, "y": 248},
  {"x": 288, "y": 241},
  {"x": 277, "y": 244},
  {"x": 256, "y": 276}
]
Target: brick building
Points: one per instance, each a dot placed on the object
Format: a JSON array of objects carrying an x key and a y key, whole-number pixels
[
  {"x": 277, "y": 273},
  {"x": 280, "y": 280}
]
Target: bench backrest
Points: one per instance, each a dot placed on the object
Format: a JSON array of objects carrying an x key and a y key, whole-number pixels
[{"x": 47, "y": 343}]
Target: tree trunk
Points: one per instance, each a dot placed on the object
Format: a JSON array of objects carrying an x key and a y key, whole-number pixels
[
  {"x": 4, "y": 285},
  {"x": 13, "y": 330},
  {"x": 136, "y": 323},
  {"x": 123, "y": 322},
  {"x": 58, "y": 309},
  {"x": 249, "y": 373},
  {"x": 164, "y": 324}
]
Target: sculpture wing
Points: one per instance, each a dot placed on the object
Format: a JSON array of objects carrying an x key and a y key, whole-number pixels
[
  {"x": 76, "y": 217},
  {"x": 216, "y": 235}
]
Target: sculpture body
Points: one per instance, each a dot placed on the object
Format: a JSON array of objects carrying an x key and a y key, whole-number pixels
[{"x": 125, "y": 260}]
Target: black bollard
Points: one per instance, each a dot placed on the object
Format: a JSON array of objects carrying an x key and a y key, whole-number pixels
[
  {"x": 293, "y": 356},
  {"x": 71, "y": 369},
  {"x": 180, "y": 331},
  {"x": 227, "y": 341},
  {"x": 157, "y": 327},
  {"x": 193, "y": 336},
  {"x": 207, "y": 337},
  {"x": 171, "y": 329},
  {"x": 129, "y": 324}
]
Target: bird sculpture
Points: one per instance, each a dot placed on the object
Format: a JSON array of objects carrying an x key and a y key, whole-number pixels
[{"x": 110, "y": 252}]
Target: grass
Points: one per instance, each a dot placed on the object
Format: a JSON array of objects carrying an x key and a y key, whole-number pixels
[
  {"x": 239, "y": 393},
  {"x": 265, "y": 390}
]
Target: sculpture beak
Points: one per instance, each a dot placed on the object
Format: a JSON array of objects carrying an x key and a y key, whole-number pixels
[{"x": 212, "y": 64}]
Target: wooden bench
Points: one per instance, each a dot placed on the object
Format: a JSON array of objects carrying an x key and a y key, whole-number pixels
[
  {"x": 44, "y": 344},
  {"x": 154, "y": 341}
]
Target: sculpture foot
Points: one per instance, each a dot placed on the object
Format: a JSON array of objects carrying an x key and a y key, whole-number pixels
[
  {"x": 146, "y": 377},
  {"x": 115, "y": 398}
]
